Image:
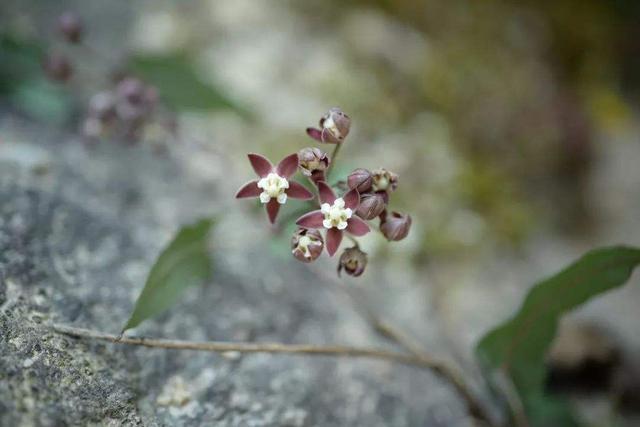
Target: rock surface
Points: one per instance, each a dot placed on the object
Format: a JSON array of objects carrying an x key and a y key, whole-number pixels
[{"x": 79, "y": 229}]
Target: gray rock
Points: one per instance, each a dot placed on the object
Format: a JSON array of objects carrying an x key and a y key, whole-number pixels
[{"x": 80, "y": 227}]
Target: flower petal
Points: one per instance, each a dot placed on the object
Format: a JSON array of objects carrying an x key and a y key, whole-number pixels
[
  {"x": 311, "y": 220},
  {"x": 260, "y": 164},
  {"x": 298, "y": 191},
  {"x": 327, "y": 137},
  {"x": 250, "y": 189},
  {"x": 288, "y": 166},
  {"x": 315, "y": 134},
  {"x": 272, "y": 210},
  {"x": 351, "y": 199},
  {"x": 326, "y": 193},
  {"x": 357, "y": 226},
  {"x": 334, "y": 237}
]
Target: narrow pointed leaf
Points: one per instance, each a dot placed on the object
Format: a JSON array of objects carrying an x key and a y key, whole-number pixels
[
  {"x": 185, "y": 262},
  {"x": 179, "y": 83},
  {"x": 517, "y": 348}
]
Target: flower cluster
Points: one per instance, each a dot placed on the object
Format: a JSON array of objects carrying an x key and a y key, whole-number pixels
[
  {"x": 366, "y": 198},
  {"x": 129, "y": 109},
  {"x": 122, "y": 111}
]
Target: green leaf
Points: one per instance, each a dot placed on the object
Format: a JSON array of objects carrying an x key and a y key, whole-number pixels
[
  {"x": 42, "y": 100},
  {"x": 19, "y": 61},
  {"x": 183, "y": 263},
  {"x": 517, "y": 348},
  {"x": 23, "y": 82},
  {"x": 179, "y": 84}
]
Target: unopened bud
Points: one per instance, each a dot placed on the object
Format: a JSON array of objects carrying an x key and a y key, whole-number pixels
[
  {"x": 313, "y": 162},
  {"x": 70, "y": 27},
  {"x": 102, "y": 106},
  {"x": 395, "y": 226},
  {"x": 371, "y": 205},
  {"x": 360, "y": 179},
  {"x": 383, "y": 180},
  {"x": 334, "y": 127},
  {"x": 306, "y": 244},
  {"x": 57, "y": 67},
  {"x": 132, "y": 90},
  {"x": 353, "y": 261}
]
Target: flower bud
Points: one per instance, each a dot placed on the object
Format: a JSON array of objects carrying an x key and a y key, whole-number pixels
[
  {"x": 371, "y": 205},
  {"x": 360, "y": 179},
  {"x": 57, "y": 67},
  {"x": 313, "y": 162},
  {"x": 306, "y": 244},
  {"x": 70, "y": 27},
  {"x": 395, "y": 226},
  {"x": 383, "y": 180},
  {"x": 335, "y": 126},
  {"x": 353, "y": 261},
  {"x": 102, "y": 105},
  {"x": 132, "y": 90}
]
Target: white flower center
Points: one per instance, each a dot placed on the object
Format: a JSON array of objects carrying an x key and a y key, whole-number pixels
[
  {"x": 381, "y": 184},
  {"x": 335, "y": 215},
  {"x": 304, "y": 242},
  {"x": 274, "y": 187},
  {"x": 330, "y": 124}
]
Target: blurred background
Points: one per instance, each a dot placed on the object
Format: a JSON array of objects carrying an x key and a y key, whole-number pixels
[{"x": 513, "y": 126}]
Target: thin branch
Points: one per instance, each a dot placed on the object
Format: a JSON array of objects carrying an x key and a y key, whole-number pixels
[
  {"x": 445, "y": 370},
  {"x": 441, "y": 368},
  {"x": 246, "y": 347},
  {"x": 516, "y": 407}
]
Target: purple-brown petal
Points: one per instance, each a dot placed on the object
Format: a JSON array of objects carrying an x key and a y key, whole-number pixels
[
  {"x": 311, "y": 220},
  {"x": 334, "y": 237},
  {"x": 315, "y": 134},
  {"x": 272, "y": 210},
  {"x": 357, "y": 226},
  {"x": 260, "y": 164},
  {"x": 351, "y": 199},
  {"x": 328, "y": 138},
  {"x": 250, "y": 189},
  {"x": 326, "y": 193},
  {"x": 288, "y": 166},
  {"x": 298, "y": 191}
]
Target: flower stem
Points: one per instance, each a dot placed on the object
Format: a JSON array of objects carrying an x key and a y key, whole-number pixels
[
  {"x": 334, "y": 155},
  {"x": 353, "y": 240}
]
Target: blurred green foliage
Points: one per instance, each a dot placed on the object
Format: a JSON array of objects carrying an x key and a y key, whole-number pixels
[
  {"x": 179, "y": 84},
  {"x": 515, "y": 351},
  {"x": 23, "y": 84}
]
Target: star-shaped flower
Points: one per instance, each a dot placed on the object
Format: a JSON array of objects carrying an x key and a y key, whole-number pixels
[
  {"x": 274, "y": 187},
  {"x": 336, "y": 215}
]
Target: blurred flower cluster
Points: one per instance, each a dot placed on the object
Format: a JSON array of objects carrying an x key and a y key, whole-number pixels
[
  {"x": 365, "y": 197},
  {"x": 126, "y": 110},
  {"x": 123, "y": 110}
]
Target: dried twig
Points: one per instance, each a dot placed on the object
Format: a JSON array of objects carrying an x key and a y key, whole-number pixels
[
  {"x": 247, "y": 347},
  {"x": 445, "y": 370}
]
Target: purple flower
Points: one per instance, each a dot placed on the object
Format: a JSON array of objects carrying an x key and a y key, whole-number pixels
[
  {"x": 70, "y": 26},
  {"x": 274, "y": 187},
  {"x": 336, "y": 214}
]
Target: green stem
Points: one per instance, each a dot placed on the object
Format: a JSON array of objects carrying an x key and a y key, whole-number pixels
[
  {"x": 334, "y": 155},
  {"x": 355, "y": 242}
]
